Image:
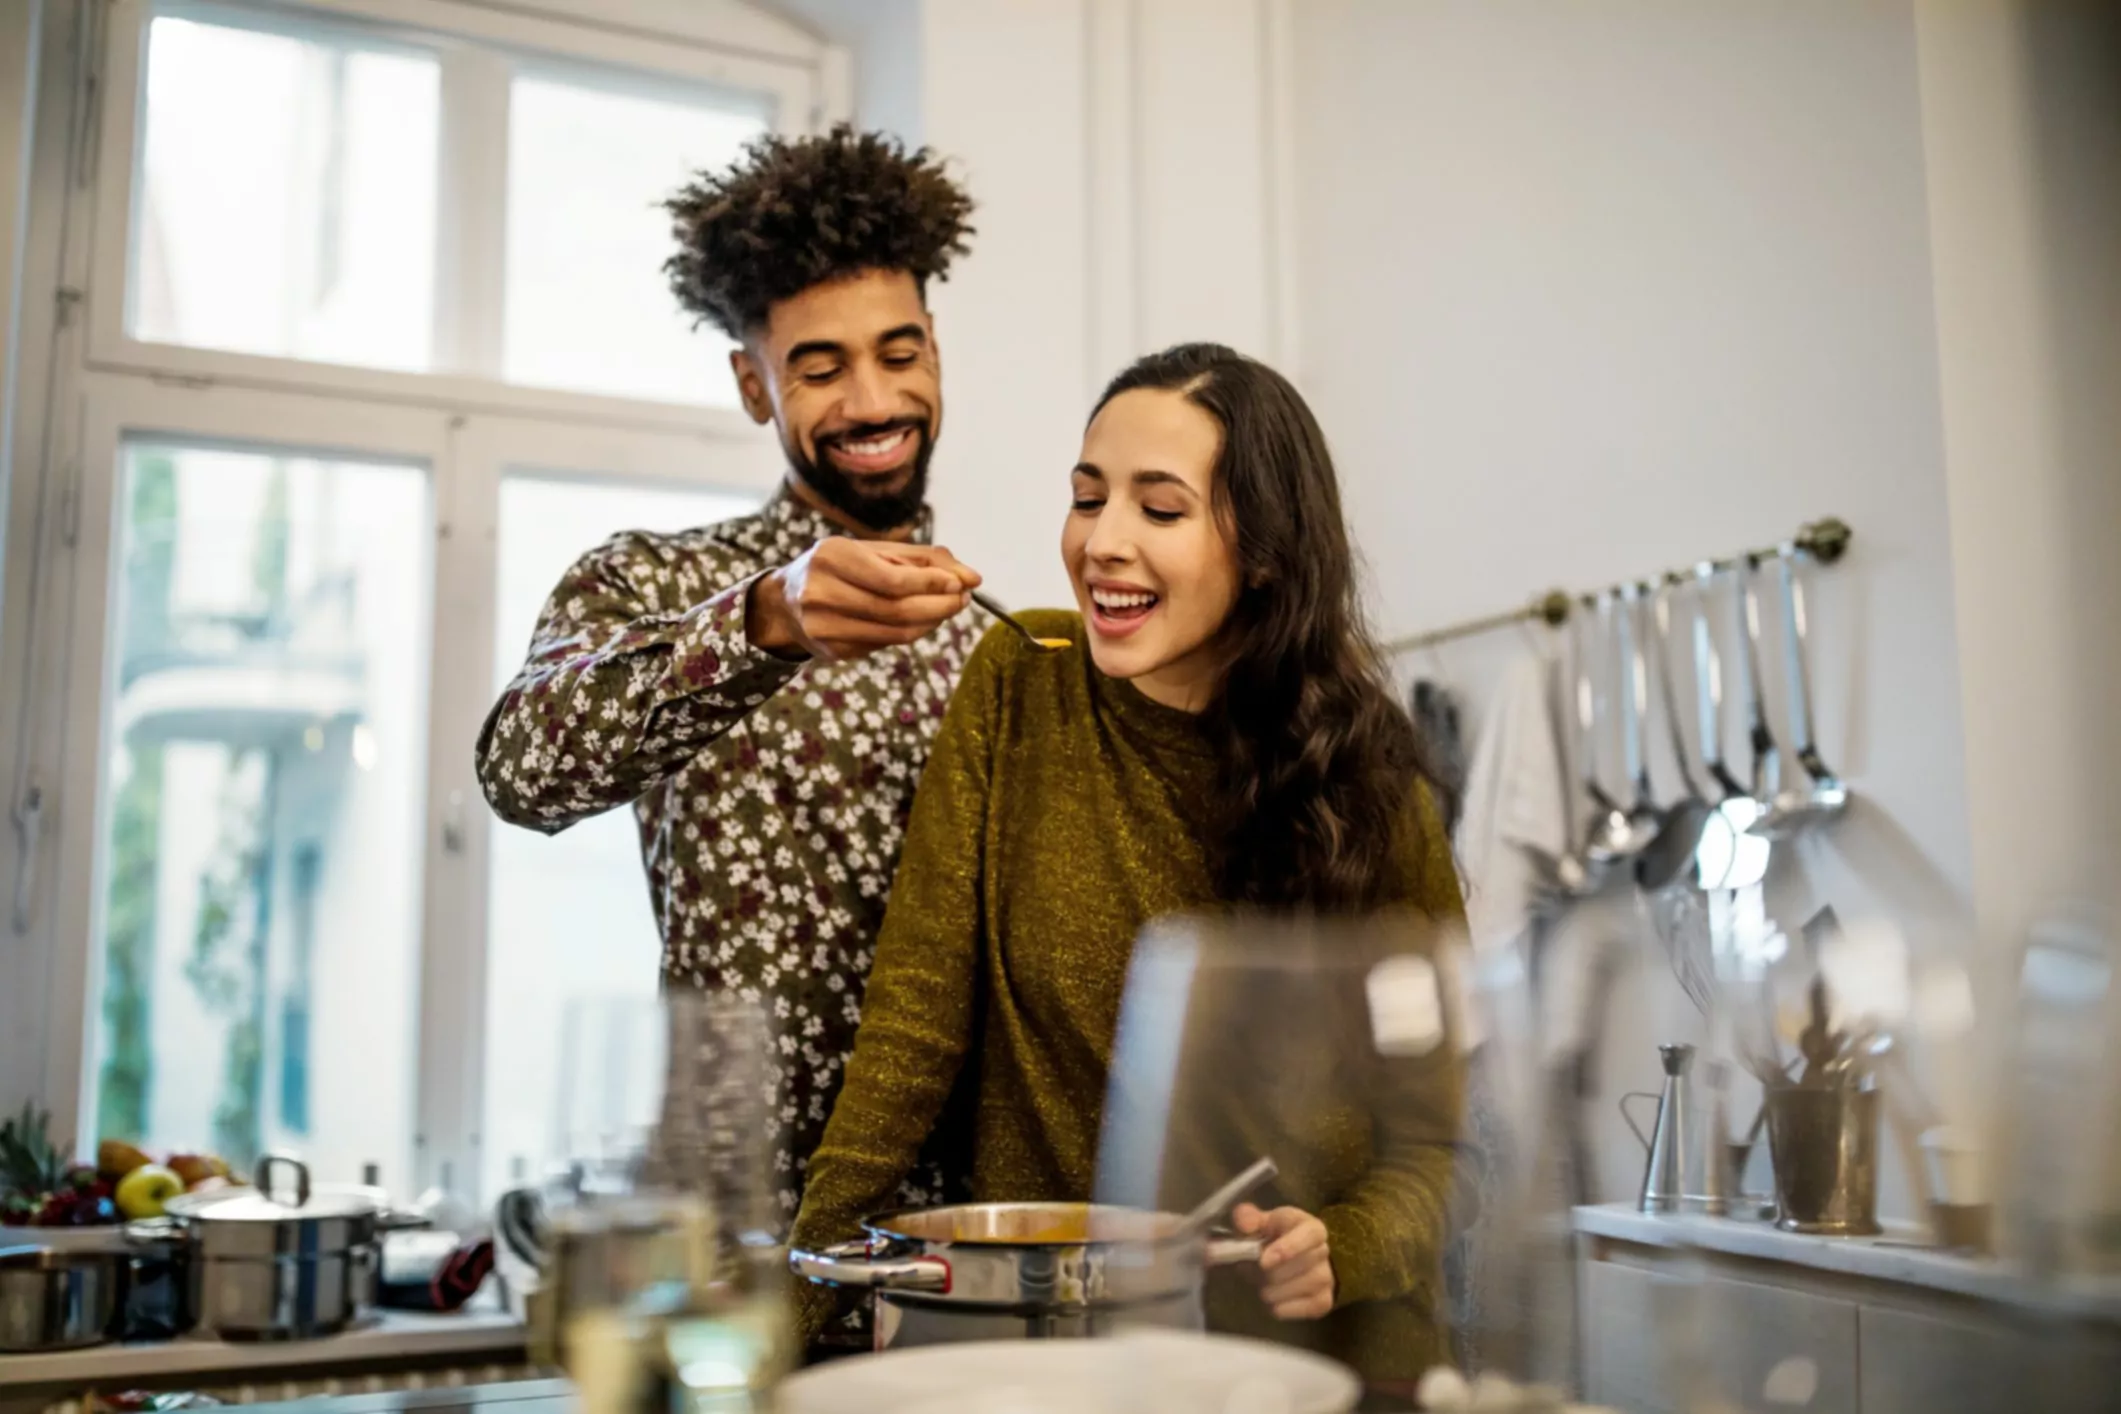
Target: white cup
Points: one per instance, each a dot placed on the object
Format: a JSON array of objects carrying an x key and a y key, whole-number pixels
[{"x": 1956, "y": 1165}]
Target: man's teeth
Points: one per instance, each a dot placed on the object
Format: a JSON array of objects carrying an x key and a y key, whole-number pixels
[
  {"x": 1107, "y": 599},
  {"x": 875, "y": 446}
]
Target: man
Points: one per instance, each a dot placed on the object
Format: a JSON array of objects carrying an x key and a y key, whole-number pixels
[{"x": 764, "y": 691}]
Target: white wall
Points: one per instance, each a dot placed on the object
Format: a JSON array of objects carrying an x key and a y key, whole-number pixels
[
  {"x": 885, "y": 38},
  {"x": 1588, "y": 291},
  {"x": 1118, "y": 153},
  {"x": 2022, "y": 113}
]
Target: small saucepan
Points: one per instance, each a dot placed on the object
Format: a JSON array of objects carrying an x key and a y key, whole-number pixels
[
  {"x": 280, "y": 1261},
  {"x": 57, "y": 1300}
]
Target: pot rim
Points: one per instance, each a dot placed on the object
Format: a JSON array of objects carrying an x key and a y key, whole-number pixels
[{"x": 1163, "y": 1229}]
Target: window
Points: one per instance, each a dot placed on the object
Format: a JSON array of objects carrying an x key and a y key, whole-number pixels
[
  {"x": 266, "y": 753},
  {"x": 568, "y": 915},
  {"x": 362, "y": 194},
  {"x": 287, "y": 196},
  {"x": 352, "y": 269},
  {"x": 588, "y": 166}
]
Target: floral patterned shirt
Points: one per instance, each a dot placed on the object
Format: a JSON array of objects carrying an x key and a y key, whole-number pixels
[{"x": 771, "y": 795}]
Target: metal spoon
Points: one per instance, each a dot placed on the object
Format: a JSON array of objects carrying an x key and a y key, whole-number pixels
[
  {"x": 1795, "y": 807},
  {"x": 1044, "y": 645}
]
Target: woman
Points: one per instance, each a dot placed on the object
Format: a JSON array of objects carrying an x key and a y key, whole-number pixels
[{"x": 1218, "y": 735}]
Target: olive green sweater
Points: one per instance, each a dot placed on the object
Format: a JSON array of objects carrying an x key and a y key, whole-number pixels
[{"x": 1058, "y": 815}]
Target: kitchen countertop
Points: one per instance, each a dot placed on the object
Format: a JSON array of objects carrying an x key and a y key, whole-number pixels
[
  {"x": 486, "y": 1334},
  {"x": 1893, "y": 1256},
  {"x": 516, "y": 1397}
]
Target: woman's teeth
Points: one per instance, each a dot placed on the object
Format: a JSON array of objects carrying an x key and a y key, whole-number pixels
[{"x": 1113, "y": 602}]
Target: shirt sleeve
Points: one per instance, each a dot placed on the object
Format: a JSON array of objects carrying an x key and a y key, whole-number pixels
[
  {"x": 920, "y": 1011},
  {"x": 629, "y": 677},
  {"x": 1387, "y": 1233}
]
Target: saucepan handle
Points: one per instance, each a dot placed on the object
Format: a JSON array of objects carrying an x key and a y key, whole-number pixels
[
  {"x": 1233, "y": 1251},
  {"x": 1638, "y": 1095},
  {"x": 849, "y": 1264}
]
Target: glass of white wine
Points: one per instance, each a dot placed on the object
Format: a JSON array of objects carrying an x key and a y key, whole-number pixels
[{"x": 662, "y": 1281}]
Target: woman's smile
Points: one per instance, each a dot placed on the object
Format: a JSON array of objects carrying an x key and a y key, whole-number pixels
[{"x": 1118, "y": 609}]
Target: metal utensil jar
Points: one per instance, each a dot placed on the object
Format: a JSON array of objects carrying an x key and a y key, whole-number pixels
[
  {"x": 1825, "y": 1145},
  {"x": 280, "y": 1264},
  {"x": 53, "y": 1300},
  {"x": 997, "y": 1271}
]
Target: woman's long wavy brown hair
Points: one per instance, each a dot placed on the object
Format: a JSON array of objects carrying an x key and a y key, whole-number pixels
[{"x": 1318, "y": 759}]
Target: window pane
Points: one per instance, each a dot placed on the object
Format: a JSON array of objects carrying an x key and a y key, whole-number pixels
[
  {"x": 261, "y": 867},
  {"x": 587, "y": 304},
  {"x": 287, "y": 195},
  {"x": 568, "y": 915}
]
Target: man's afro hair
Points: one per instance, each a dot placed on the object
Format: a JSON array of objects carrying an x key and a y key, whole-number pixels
[{"x": 797, "y": 212}]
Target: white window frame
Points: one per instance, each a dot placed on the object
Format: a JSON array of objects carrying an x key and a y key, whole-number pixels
[
  {"x": 471, "y": 243},
  {"x": 485, "y": 451},
  {"x": 115, "y": 410},
  {"x": 467, "y": 431}
]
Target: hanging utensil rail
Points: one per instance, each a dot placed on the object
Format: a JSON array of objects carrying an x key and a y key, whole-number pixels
[{"x": 1824, "y": 540}]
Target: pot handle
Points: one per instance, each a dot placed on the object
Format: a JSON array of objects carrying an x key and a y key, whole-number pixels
[
  {"x": 849, "y": 1264},
  {"x": 1232, "y": 1251},
  {"x": 262, "y": 1178},
  {"x": 1650, "y": 1095}
]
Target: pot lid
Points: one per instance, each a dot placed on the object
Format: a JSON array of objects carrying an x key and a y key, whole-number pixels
[{"x": 269, "y": 1201}]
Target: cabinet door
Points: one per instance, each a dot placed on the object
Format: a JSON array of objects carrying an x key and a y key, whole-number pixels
[
  {"x": 1624, "y": 1345},
  {"x": 1770, "y": 1348},
  {"x": 1925, "y": 1365},
  {"x": 1648, "y": 1337}
]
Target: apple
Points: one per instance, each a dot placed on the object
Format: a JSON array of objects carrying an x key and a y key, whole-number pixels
[
  {"x": 142, "y": 1192},
  {"x": 191, "y": 1167},
  {"x": 115, "y": 1159}
]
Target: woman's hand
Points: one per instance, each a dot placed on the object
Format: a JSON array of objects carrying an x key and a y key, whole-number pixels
[{"x": 1296, "y": 1264}]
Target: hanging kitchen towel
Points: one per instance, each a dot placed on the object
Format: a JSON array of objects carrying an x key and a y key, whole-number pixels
[
  {"x": 1435, "y": 711},
  {"x": 1516, "y": 821}
]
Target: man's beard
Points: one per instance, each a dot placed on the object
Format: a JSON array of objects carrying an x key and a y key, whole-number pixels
[{"x": 876, "y": 510}]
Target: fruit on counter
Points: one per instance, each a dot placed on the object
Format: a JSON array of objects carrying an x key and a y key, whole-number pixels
[
  {"x": 115, "y": 1158},
  {"x": 31, "y": 1166},
  {"x": 142, "y": 1192},
  {"x": 193, "y": 1167},
  {"x": 41, "y": 1187}
]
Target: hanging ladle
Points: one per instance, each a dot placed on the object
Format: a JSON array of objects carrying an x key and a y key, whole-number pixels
[
  {"x": 1573, "y": 872},
  {"x": 1796, "y": 806},
  {"x": 1670, "y": 856},
  {"x": 1617, "y": 833},
  {"x": 1731, "y": 855}
]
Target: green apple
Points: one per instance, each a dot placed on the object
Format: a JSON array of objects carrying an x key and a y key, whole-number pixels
[{"x": 142, "y": 1192}]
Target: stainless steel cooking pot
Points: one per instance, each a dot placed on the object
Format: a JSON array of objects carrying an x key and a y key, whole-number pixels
[
  {"x": 281, "y": 1261},
  {"x": 53, "y": 1300},
  {"x": 994, "y": 1271}
]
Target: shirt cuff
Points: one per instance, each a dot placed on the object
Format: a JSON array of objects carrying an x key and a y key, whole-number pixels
[{"x": 715, "y": 659}]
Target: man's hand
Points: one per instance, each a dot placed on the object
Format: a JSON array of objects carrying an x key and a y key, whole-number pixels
[
  {"x": 1296, "y": 1265},
  {"x": 846, "y": 598}
]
